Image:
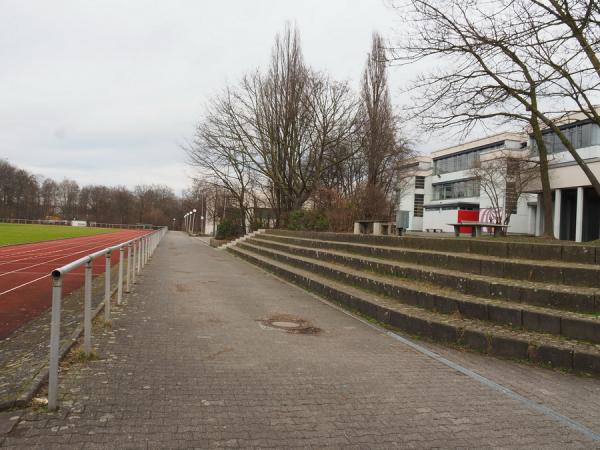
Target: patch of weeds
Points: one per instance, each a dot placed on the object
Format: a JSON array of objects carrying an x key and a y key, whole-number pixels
[
  {"x": 489, "y": 337},
  {"x": 456, "y": 315},
  {"x": 103, "y": 323},
  {"x": 39, "y": 404},
  {"x": 81, "y": 356},
  {"x": 78, "y": 356}
]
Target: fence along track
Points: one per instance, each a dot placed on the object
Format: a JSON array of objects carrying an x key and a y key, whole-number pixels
[{"x": 139, "y": 251}]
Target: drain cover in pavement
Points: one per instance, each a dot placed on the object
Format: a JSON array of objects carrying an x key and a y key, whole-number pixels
[
  {"x": 290, "y": 324},
  {"x": 282, "y": 324}
]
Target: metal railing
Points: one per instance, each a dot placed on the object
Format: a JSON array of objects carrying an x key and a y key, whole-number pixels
[
  {"x": 139, "y": 251},
  {"x": 35, "y": 221},
  {"x": 89, "y": 224},
  {"x": 128, "y": 226}
]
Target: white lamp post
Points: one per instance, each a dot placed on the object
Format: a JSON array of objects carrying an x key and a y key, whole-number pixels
[{"x": 193, "y": 219}]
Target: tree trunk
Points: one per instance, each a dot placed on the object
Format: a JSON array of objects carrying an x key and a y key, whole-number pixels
[{"x": 545, "y": 178}]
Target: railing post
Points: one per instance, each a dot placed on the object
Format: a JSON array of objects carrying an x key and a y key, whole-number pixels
[
  {"x": 134, "y": 261},
  {"x": 54, "y": 341},
  {"x": 139, "y": 256},
  {"x": 107, "y": 288},
  {"x": 87, "y": 309},
  {"x": 128, "y": 285},
  {"x": 120, "y": 285}
]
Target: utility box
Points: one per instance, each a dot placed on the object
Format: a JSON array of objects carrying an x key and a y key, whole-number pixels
[{"x": 402, "y": 218}]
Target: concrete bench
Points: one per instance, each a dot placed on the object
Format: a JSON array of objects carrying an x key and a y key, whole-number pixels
[
  {"x": 434, "y": 230},
  {"x": 476, "y": 228},
  {"x": 377, "y": 227}
]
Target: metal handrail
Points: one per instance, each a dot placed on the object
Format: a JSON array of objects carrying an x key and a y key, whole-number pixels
[
  {"x": 139, "y": 251},
  {"x": 90, "y": 224}
]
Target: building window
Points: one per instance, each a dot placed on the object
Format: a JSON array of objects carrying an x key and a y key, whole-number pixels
[
  {"x": 456, "y": 189},
  {"x": 462, "y": 161},
  {"x": 419, "y": 182},
  {"x": 580, "y": 136},
  {"x": 419, "y": 200}
]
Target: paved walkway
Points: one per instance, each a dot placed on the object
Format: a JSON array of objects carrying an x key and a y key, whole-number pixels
[{"x": 189, "y": 364}]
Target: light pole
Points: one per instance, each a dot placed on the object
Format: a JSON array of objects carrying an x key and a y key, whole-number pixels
[
  {"x": 202, "y": 213},
  {"x": 185, "y": 221},
  {"x": 174, "y": 223},
  {"x": 193, "y": 219}
]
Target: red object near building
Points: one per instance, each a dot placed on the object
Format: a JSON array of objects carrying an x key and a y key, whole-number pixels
[{"x": 467, "y": 216}]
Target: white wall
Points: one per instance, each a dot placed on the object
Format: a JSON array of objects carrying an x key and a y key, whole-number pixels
[
  {"x": 439, "y": 219},
  {"x": 407, "y": 197},
  {"x": 571, "y": 175},
  {"x": 407, "y": 203},
  {"x": 519, "y": 222}
]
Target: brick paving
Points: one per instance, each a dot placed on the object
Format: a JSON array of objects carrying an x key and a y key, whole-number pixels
[
  {"x": 24, "y": 353},
  {"x": 188, "y": 364}
]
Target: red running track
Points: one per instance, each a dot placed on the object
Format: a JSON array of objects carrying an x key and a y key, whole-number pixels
[{"x": 25, "y": 282}]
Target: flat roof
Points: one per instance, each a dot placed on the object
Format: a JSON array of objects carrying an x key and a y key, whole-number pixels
[{"x": 481, "y": 142}]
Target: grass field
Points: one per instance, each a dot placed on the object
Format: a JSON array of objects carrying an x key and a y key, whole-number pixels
[{"x": 11, "y": 233}]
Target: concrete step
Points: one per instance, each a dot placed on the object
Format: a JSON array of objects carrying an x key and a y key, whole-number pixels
[
  {"x": 427, "y": 296},
  {"x": 568, "y": 298},
  {"x": 241, "y": 239},
  {"x": 552, "y": 272},
  {"x": 451, "y": 329},
  {"x": 561, "y": 251}
]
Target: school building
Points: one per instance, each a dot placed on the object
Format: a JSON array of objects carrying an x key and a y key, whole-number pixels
[{"x": 443, "y": 187}]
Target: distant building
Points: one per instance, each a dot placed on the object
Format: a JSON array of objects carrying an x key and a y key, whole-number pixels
[
  {"x": 576, "y": 206},
  {"x": 441, "y": 188}
]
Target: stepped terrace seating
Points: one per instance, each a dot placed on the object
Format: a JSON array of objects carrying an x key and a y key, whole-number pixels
[{"x": 529, "y": 301}]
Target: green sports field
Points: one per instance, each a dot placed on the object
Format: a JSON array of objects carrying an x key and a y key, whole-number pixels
[{"x": 11, "y": 233}]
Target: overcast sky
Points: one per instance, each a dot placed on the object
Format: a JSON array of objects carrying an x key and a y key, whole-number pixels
[{"x": 106, "y": 91}]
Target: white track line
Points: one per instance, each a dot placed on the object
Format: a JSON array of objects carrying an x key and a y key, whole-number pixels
[
  {"x": 97, "y": 245},
  {"x": 24, "y": 284},
  {"x": 49, "y": 250},
  {"x": 85, "y": 251},
  {"x": 42, "y": 246}
]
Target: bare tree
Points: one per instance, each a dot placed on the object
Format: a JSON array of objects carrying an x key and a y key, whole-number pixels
[
  {"x": 68, "y": 193},
  {"x": 379, "y": 123},
  {"x": 567, "y": 40},
  {"x": 27, "y": 196},
  {"x": 485, "y": 74},
  {"x": 382, "y": 145},
  {"x": 504, "y": 177},
  {"x": 48, "y": 193},
  {"x": 218, "y": 152},
  {"x": 276, "y": 131},
  {"x": 510, "y": 60}
]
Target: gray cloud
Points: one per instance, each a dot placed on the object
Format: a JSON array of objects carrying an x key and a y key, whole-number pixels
[{"x": 105, "y": 92}]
